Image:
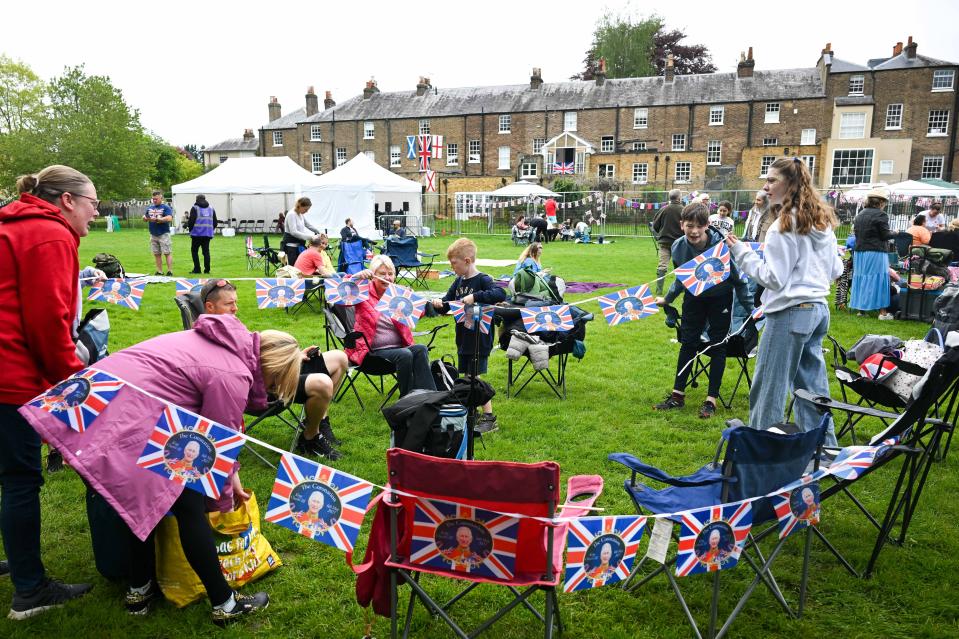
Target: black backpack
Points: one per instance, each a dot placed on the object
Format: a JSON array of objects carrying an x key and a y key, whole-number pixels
[
  {"x": 444, "y": 374},
  {"x": 110, "y": 265},
  {"x": 946, "y": 310}
]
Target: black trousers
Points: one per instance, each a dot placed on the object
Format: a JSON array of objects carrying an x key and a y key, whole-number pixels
[
  {"x": 196, "y": 537},
  {"x": 292, "y": 246},
  {"x": 697, "y": 312},
  {"x": 197, "y": 243}
]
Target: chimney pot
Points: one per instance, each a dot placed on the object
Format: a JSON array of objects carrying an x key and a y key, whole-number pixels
[
  {"x": 897, "y": 49},
  {"x": 600, "y": 74},
  {"x": 749, "y": 56},
  {"x": 911, "y": 48},
  {"x": 312, "y": 102},
  {"x": 328, "y": 102},
  {"x": 422, "y": 86},
  {"x": 536, "y": 79},
  {"x": 370, "y": 89},
  {"x": 746, "y": 65},
  {"x": 274, "y": 108},
  {"x": 247, "y": 134},
  {"x": 670, "y": 69}
]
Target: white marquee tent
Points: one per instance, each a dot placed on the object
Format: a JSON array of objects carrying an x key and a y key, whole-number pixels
[
  {"x": 354, "y": 189},
  {"x": 256, "y": 189},
  {"x": 523, "y": 188}
]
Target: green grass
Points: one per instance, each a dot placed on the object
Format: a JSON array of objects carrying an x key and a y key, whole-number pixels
[{"x": 626, "y": 370}]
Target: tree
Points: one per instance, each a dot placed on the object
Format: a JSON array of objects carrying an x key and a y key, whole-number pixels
[
  {"x": 24, "y": 146},
  {"x": 195, "y": 152},
  {"x": 638, "y": 48}
]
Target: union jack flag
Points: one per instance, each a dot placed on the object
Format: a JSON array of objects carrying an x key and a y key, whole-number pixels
[
  {"x": 760, "y": 249},
  {"x": 759, "y": 313},
  {"x": 563, "y": 168},
  {"x": 296, "y": 502},
  {"x": 440, "y": 539},
  {"x": 346, "y": 292},
  {"x": 279, "y": 293},
  {"x": 628, "y": 305},
  {"x": 547, "y": 318},
  {"x": 214, "y": 450},
  {"x": 78, "y": 400},
  {"x": 184, "y": 286},
  {"x": 464, "y": 314},
  {"x": 425, "y": 152},
  {"x": 437, "y": 144},
  {"x": 712, "y": 538},
  {"x": 705, "y": 270},
  {"x": 410, "y": 147},
  {"x": 119, "y": 292},
  {"x": 402, "y": 304},
  {"x": 589, "y": 539},
  {"x": 797, "y": 505},
  {"x": 853, "y": 460}
]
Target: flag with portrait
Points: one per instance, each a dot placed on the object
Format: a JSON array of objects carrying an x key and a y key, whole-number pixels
[
  {"x": 712, "y": 539},
  {"x": 78, "y": 400},
  {"x": 402, "y": 305},
  {"x": 547, "y": 318},
  {"x": 279, "y": 293},
  {"x": 706, "y": 270},
  {"x": 119, "y": 292},
  {"x": 600, "y": 550},
  {"x": 346, "y": 292},
  {"x": 465, "y": 314},
  {"x": 628, "y": 305}
]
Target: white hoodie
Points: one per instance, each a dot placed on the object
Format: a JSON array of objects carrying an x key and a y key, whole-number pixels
[{"x": 798, "y": 269}]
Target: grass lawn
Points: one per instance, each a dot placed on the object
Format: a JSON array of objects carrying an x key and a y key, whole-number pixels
[{"x": 626, "y": 370}]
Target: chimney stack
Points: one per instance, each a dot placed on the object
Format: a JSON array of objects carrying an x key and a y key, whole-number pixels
[
  {"x": 600, "y": 73},
  {"x": 370, "y": 89},
  {"x": 897, "y": 49},
  {"x": 247, "y": 135},
  {"x": 423, "y": 86},
  {"x": 911, "y": 49},
  {"x": 746, "y": 65},
  {"x": 536, "y": 80},
  {"x": 274, "y": 108},
  {"x": 312, "y": 102},
  {"x": 670, "y": 69},
  {"x": 328, "y": 102}
]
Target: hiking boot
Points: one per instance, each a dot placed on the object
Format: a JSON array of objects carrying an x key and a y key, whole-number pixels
[
  {"x": 243, "y": 605},
  {"x": 327, "y": 431},
  {"x": 317, "y": 446},
  {"x": 51, "y": 594},
  {"x": 673, "y": 400},
  {"x": 139, "y": 603},
  {"x": 54, "y": 461},
  {"x": 486, "y": 424},
  {"x": 707, "y": 410}
]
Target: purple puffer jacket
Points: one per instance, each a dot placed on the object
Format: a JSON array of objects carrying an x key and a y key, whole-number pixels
[{"x": 212, "y": 370}]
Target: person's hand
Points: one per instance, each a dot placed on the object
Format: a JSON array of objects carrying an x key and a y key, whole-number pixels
[
  {"x": 365, "y": 274},
  {"x": 308, "y": 351},
  {"x": 239, "y": 495},
  {"x": 437, "y": 303},
  {"x": 468, "y": 299},
  {"x": 731, "y": 239},
  {"x": 660, "y": 301},
  {"x": 100, "y": 276}
]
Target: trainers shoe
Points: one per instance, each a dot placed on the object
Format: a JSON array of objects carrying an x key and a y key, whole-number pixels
[
  {"x": 886, "y": 316},
  {"x": 54, "y": 461},
  {"x": 169, "y": 273},
  {"x": 707, "y": 410},
  {"x": 245, "y": 605},
  {"x": 673, "y": 400},
  {"x": 139, "y": 604},
  {"x": 158, "y": 273},
  {"x": 317, "y": 446},
  {"x": 486, "y": 424},
  {"x": 327, "y": 431},
  {"x": 51, "y": 594}
]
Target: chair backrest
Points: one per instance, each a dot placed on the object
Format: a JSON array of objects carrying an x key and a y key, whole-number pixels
[
  {"x": 351, "y": 257},
  {"x": 402, "y": 250},
  {"x": 339, "y": 320},
  {"x": 266, "y": 241},
  {"x": 903, "y": 241},
  {"x": 250, "y": 250},
  {"x": 190, "y": 308}
]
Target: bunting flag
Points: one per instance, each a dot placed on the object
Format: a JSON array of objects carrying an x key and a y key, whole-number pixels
[
  {"x": 78, "y": 400},
  {"x": 184, "y": 286},
  {"x": 563, "y": 168},
  {"x": 191, "y": 450},
  {"x": 547, "y": 318},
  {"x": 464, "y": 314},
  {"x": 759, "y": 313},
  {"x": 318, "y": 502},
  {"x": 345, "y": 292},
  {"x": 797, "y": 505},
  {"x": 459, "y": 538},
  {"x": 706, "y": 270},
  {"x": 279, "y": 293},
  {"x": 436, "y": 144},
  {"x": 402, "y": 305},
  {"x": 852, "y": 461},
  {"x": 426, "y": 152},
  {"x": 712, "y": 538},
  {"x": 410, "y": 147},
  {"x": 600, "y": 550},
  {"x": 759, "y": 248},
  {"x": 628, "y": 305},
  {"x": 119, "y": 292}
]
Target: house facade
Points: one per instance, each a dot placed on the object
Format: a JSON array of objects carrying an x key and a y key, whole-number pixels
[
  {"x": 244, "y": 147},
  {"x": 890, "y": 119}
]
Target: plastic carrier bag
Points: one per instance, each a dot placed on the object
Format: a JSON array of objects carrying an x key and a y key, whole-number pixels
[{"x": 245, "y": 554}]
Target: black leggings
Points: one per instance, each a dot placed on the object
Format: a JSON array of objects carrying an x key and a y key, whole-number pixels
[
  {"x": 196, "y": 537},
  {"x": 197, "y": 243}
]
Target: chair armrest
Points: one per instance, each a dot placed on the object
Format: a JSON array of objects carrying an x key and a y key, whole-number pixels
[
  {"x": 432, "y": 333},
  {"x": 826, "y": 403},
  {"x": 427, "y": 254},
  {"x": 350, "y": 339},
  {"x": 635, "y": 465}
]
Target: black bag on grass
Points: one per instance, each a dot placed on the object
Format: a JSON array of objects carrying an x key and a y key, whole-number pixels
[
  {"x": 109, "y": 264},
  {"x": 444, "y": 374}
]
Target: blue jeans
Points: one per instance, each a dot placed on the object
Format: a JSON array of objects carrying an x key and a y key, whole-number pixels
[
  {"x": 20, "y": 479},
  {"x": 790, "y": 357},
  {"x": 412, "y": 367}
]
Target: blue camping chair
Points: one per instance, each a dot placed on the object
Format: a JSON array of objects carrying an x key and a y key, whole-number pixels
[
  {"x": 757, "y": 462},
  {"x": 411, "y": 265},
  {"x": 352, "y": 257}
]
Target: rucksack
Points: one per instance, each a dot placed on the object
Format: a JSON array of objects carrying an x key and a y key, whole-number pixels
[
  {"x": 536, "y": 284},
  {"x": 110, "y": 265},
  {"x": 946, "y": 310},
  {"x": 444, "y": 374}
]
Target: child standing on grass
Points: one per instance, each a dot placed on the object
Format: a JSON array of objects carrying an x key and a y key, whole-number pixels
[{"x": 472, "y": 287}]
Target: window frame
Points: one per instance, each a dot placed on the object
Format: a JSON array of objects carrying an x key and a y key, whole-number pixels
[
  {"x": 891, "y": 164},
  {"x": 941, "y": 159},
  {"x": 898, "y": 116},
  {"x": 369, "y": 130},
  {"x": 866, "y": 176},
  {"x": 644, "y": 172},
  {"x": 861, "y": 84},
  {"x": 609, "y": 168},
  {"x": 641, "y": 118},
  {"x": 952, "y": 80},
  {"x": 470, "y": 153},
  {"x": 452, "y": 154},
  {"x": 499, "y": 158},
  {"x": 846, "y": 131},
  {"x": 679, "y": 138},
  {"x": 640, "y": 147},
  {"x": 612, "y": 144},
  {"x": 505, "y": 123},
  {"x": 341, "y": 157},
  {"x": 770, "y": 141},
  {"x": 945, "y": 124},
  {"x": 688, "y": 170},
  {"x": 771, "y": 115},
  {"x": 567, "y": 116},
  {"x": 278, "y": 138},
  {"x": 810, "y": 162},
  {"x": 316, "y": 133},
  {"x": 721, "y": 110},
  {"x": 765, "y": 162},
  {"x": 803, "y": 137},
  {"x": 316, "y": 163},
  {"x": 423, "y": 126},
  {"x": 396, "y": 156},
  {"x": 524, "y": 173},
  {"x": 541, "y": 142},
  {"x": 715, "y": 148}
]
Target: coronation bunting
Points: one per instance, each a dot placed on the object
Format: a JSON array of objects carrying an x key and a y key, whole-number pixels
[
  {"x": 279, "y": 293},
  {"x": 402, "y": 305},
  {"x": 119, "y": 292},
  {"x": 77, "y": 401},
  {"x": 600, "y": 550},
  {"x": 464, "y": 314},
  {"x": 547, "y": 318},
  {"x": 628, "y": 305},
  {"x": 706, "y": 270},
  {"x": 184, "y": 286},
  {"x": 852, "y": 461},
  {"x": 346, "y": 292},
  {"x": 797, "y": 505},
  {"x": 191, "y": 450},
  {"x": 712, "y": 538},
  {"x": 318, "y": 502}
]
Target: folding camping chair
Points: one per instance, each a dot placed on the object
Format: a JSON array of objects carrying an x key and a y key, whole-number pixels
[
  {"x": 352, "y": 257},
  {"x": 741, "y": 347},
  {"x": 756, "y": 463},
  {"x": 526, "y": 554},
  {"x": 314, "y": 297},
  {"x": 412, "y": 266},
  {"x": 265, "y": 256},
  {"x": 919, "y": 436},
  {"x": 190, "y": 308}
]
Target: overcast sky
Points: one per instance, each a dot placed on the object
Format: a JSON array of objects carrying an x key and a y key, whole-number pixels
[{"x": 202, "y": 71}]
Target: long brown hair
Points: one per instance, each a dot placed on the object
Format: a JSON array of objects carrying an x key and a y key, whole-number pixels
[{"x": 801, "y": 204}]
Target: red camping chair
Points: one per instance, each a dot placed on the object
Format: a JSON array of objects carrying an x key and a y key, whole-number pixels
[{"x": 477, "y": 494}]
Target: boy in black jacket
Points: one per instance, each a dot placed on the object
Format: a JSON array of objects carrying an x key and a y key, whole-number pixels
[{"x": 472, "y": 287}]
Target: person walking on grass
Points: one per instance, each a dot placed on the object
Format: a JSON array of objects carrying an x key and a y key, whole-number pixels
[{"x": 160, "y": 216}]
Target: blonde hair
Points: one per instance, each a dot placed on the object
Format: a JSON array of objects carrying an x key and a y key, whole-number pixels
[
  {"x": 462, "y": 248},
  {"x": 534, "y": 250},
  {"x": 280, "y": 359},
  {"x": 954, "y": 225},
  {"x": 801, "y": 205},
  {"x": 381, "y": 260},
  {"x": 52, "y": 182}
]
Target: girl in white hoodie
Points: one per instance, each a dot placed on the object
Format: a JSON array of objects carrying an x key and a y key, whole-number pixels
[{"x": 801, "y": 261}]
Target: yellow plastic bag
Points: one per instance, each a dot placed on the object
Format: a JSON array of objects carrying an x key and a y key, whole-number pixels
[{"x": 245, "y": 554}]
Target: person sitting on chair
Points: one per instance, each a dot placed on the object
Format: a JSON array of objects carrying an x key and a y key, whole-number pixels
[
  {"x": 315, "y": 260},
  {"x": 398, "y": 230},
  {"x": 529, "y": 258},
  {"x": 349, "y": 234},
  {"x": 920, "y": 234}
]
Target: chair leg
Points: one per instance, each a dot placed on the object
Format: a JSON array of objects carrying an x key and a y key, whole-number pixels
[
  {"x": 682, "y": 602},
  {"x": 548, "y": 621}
]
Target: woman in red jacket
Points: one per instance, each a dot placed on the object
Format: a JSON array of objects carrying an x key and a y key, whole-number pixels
[{"x": 387, "y": 338}]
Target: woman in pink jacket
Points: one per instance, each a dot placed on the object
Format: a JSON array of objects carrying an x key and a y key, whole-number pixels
[{"x": 216, "y": 370}]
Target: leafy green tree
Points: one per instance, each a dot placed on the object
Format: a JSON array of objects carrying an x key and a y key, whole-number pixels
[{"x": 24, "y": 145}]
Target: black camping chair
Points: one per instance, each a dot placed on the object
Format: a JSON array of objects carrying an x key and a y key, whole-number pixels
[
  {"x": 412, "y": 266},
  {"x": 314, "y": 297},
  {"x": 903, "y": 242},
  {"x": 915, "y": 437},
  {"x": 756, "y": 463},
  {"x": 190, "y": 308},
  {"x": 265, "y": 256},
  {"x": 741, "y": 347}
]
